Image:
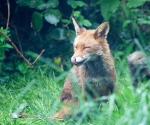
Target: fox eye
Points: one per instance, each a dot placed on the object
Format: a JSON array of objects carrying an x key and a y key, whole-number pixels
[
  {"x": 86, "y": 47},
  {"x": 75, "y": 47},
  {"x": 139, "y": 58}
]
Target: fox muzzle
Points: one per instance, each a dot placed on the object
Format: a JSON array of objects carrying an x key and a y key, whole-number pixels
[{"x": 78, "y": 60}]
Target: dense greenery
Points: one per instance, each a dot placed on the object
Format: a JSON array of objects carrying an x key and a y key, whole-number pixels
[
  {"x": 40, "y": 91},
  {"x": 46, "y": 24}
]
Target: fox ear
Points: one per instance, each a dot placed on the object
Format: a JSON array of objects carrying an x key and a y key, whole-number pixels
[
  {"x": 102, "y": 30},
  {"x": 78, "y": 28}
]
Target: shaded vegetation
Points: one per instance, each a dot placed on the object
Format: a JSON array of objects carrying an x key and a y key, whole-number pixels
[
  {"x": 37, "y": 25},
  {"x": 46, "y": 24}
]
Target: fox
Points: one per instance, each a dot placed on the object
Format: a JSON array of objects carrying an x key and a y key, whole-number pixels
[
  {"x": 138, "y": 66},
  {"x": 93, "y": 72}
]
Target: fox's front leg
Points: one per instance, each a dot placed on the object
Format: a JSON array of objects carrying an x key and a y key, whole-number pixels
[{"x": 66, "y": 98}]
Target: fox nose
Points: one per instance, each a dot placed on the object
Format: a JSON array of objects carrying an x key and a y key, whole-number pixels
[{"x": 73, "y": 60}]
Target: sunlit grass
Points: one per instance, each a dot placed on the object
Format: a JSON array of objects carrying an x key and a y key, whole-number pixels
[{"x": 41, "y": 89}]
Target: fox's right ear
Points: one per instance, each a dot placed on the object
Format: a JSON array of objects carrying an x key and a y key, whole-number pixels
[{"x": 78, "y": 29}]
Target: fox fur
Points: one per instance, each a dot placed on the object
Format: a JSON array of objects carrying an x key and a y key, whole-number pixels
[
  {"x": 138, "y": 66},
  {"x": 93, "y": 72}
]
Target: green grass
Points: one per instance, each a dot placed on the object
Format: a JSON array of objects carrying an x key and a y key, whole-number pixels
[{"x": 40, "y": 89}]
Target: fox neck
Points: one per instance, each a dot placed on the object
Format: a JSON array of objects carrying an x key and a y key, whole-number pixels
[{"x": 101, "y": 65}]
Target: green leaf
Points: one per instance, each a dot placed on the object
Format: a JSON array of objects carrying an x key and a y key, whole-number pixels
[
  {"x": 41, "y": 5},
  {"x": 22, "y": 67},
  {"x": 29, "y": 3},
  {"x": 58, "y": 34},
  {"x": 108, "y": 7},
  {"x": 75, "y": 4},
  {"x": 52, "y": 16},
  {"x": 143, "y": 21},
  {"x": 2, "y": 38},
  {"x": 76, "y": 13},
  {"x": 135, "y": 3},
  {"x": 82, "y": 21},
  {"x": 45, "y": 5},
  {"x": 71, "y": 35},
  {"x": 37, "y": 21},
  {"x": 87, "y": 23},
  {"x": 126, "y": 22},
  {"x": 6, "y": 31},
  {"x": 53, "y": 3},
  {"x": 65, "y": 21},
  {"x": 6, "y": 45}
]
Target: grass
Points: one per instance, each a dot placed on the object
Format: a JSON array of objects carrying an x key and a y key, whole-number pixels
[{"x": 40, "y": 89}]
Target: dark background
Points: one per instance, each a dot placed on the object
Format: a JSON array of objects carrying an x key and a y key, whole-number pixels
[{"x": 52, "y": 29}]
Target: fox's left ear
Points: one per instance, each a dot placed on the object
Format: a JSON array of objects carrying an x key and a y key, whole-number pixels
[
  {"x": 78, "y": 28},
  {"x": 102, "y": 30}
]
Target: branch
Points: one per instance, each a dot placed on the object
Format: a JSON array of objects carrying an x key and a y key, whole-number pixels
[
  {"x": 30, "y": 64},
  {"x": 8, "y": 14},
  {"x": 18, "y": 40},
  {"x": 38, "y": 57}
]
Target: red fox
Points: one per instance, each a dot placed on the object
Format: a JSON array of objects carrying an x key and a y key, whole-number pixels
[
  {"x": 93, "y": 72},
  {"x": 138, "y": 66}
]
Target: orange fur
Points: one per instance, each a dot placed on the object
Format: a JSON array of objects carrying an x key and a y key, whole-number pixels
[{"x": 93, "y": 73}]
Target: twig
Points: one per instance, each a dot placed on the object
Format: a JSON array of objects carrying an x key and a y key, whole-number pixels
[
  {"x": 38, "y": 56},
  {"x": 8, "y": 14},
  {"x": 18, "y": 40},
  {"x": 15, "y": 48},
  {"x": 30, "y": 64}
]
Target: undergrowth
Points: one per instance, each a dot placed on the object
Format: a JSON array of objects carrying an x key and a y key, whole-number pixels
[{"x": 41, "y": 89}]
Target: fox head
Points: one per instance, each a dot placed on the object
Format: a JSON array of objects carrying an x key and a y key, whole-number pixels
[
  {"x": 89, "y": 44},
  {"x": 136, "y": 57}
]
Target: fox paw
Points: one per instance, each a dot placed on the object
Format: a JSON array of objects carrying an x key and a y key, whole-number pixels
[{"x": 59, "y": 116}]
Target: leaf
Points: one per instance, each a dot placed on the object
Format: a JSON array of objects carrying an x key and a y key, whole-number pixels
[
  {"x": 65, "y": 21},
  {"x": 5, "y": 31},
  {"x": 75, "y": 4},
  {"x": 53, "y": 3},
  {"x": 58, "y": 34},
  {"x": 108, "y": 7},
  {"x": 135, "y": 3},
  {"x": 125, "y": 23},
  {"x": 22, "y": 67},
  {"x": 37, "y": 21},
  {"x": 2, "y": 38},
  {"x": 82, "y": 21},
  {"x": 71, "y": 35},
  {"x": 45, "y": 5},
  {"x": 52, "y": 16},
  {"x": 6, "y": 45},
  {"x": 57, "y": 61},
  {"x": 28, "y": 3},
  {"x": 41, "y": 5},
  {"x": 143, "y": 21},
  {"x": 76, "y": 13},
  {"x": 87, "y": 23}
]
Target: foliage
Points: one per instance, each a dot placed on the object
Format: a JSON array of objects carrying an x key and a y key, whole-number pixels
[
  {"x": 40, "y": 91},
  {"x": 37, "y": 21},
  {"x": 51, "y": 29},
  {"x": 108, "y": 9},
  {"x": 3, "y": 45}
]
